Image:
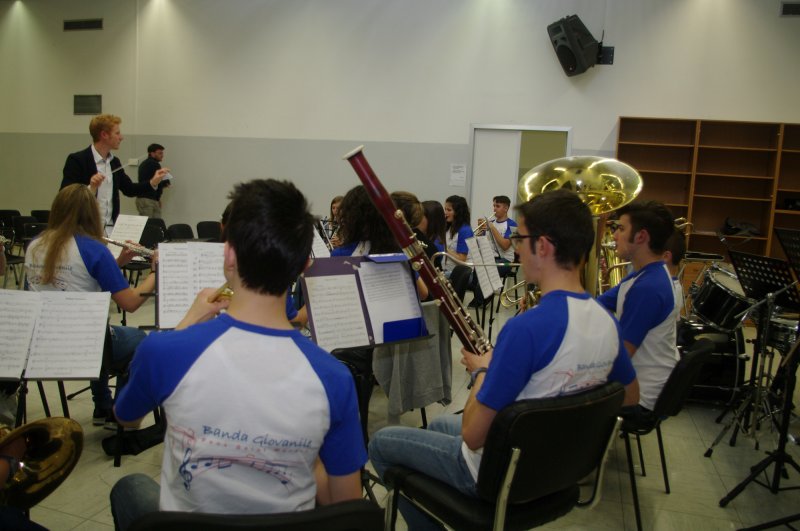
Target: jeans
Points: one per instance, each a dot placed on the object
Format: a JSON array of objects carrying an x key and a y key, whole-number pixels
[
  {"x": 132, "y": 497},
  {"x": 124, "y": 341},
  {"x": 436, "y": 452}
]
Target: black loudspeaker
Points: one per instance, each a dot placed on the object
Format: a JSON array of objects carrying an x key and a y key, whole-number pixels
[{"x": 575, "y": 47}]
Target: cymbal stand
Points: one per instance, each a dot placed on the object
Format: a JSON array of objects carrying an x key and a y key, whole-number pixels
[{"x": 780, "y": 458}]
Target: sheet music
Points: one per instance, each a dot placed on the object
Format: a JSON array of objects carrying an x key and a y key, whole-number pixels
[
  {"x": 126, "y": 228},
  {"x": 389, "y": 294},
  {"x": 336, "y": 295},
  {"x": 69, "y": 335},
  {"x": 183, "y": 270},
  {"x": 18, "y": 313},
  {"x": 318, "y": 247},
  {"x": 484, "y": 282},
  {"x": 487, "y": 248}
]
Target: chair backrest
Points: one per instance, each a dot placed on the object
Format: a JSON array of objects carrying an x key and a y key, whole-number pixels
[
  {"x": 158, "y": 222},
  {"x": 151, "y": 236},
  {"x": 180, "y": 231},
  {"x": 211, "y": 230},
  {"x": 19, "y": 225},
  {"x": 355, "y": 515},
  {"x": 42, "y": 216},
  {"x": 7, "y": 217},
  {"x": 682, "y": 377},
  {"x": 562, "y": 440},
  {"x": 32, "y": 230}
]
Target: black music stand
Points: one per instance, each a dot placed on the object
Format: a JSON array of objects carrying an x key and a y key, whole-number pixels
[{"x": 770, "y": 280}]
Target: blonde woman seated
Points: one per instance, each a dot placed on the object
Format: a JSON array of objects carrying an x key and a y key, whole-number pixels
[{"x": 71, "y": 256}]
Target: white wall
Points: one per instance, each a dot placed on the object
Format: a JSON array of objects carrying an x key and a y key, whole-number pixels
[{"x": 409, "y": 74}]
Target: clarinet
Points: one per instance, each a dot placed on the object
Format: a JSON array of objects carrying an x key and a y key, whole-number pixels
[{"x": 471, "y": 335}]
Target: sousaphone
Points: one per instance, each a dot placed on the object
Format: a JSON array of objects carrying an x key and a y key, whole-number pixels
[
  {"x": 49, "y": 449},
  {"x": 604, "y": 184}
]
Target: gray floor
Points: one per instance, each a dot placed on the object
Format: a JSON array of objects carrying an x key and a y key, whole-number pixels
[{"x": 697, "y": 482}]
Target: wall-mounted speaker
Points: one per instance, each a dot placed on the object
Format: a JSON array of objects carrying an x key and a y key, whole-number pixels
[{"x": 575, "y": 47}]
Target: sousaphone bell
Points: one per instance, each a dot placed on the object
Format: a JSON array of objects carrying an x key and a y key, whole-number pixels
[{"x": 604, "y": 184}]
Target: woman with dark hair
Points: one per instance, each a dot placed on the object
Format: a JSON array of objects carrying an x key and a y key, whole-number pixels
[
  {"x": 456, "y": 213},
  {"x": 71, "y": 256},
  {"x": 434, "y": 223}
]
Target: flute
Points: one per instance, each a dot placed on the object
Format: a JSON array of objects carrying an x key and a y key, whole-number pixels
[
  {"x": 224, "y": 292},
  {"x": 135, "y": 247}
]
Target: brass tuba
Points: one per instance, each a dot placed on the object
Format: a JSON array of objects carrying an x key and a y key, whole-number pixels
[
  {"x": 49, "y": 449},
  {"x": 604, "y": 184}
]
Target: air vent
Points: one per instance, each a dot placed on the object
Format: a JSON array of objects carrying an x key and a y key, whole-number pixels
[
  {"x": 790, "y": 9},
  {"x": 84, "y": 24},
  {"x": 87, "y": 104}
]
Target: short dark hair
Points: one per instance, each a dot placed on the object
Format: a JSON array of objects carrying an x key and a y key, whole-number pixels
[
  {"x": 676, "y": 245},
  {"x": 652, "y": 216},
  {"x": 460, "y": 213},
  {"x": 565, "y": 220},
  {"x": 270, "y": 229},
  {"x": 434, "y": 212},
  {"x": 154, "y": 147},
  {"x": 502, "y": 199}
]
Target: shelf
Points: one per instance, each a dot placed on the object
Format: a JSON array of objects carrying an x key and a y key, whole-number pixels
[
  {"x": 711, "y": 234},
  {"x": 655, "y": 144},
  {"x": 733, "y": 175},
  {"x": 676, "y": 205},
  {"x": 789, "y": 212},
  {"x": 666, "y": 172},
  {"x": 729, "y": 197},
  {"x": 738, "y": 148},
  {"x": 791, "y": 150}
]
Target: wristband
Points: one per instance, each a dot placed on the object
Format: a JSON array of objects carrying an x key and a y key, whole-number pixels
[{"x": 474, "y": 376}]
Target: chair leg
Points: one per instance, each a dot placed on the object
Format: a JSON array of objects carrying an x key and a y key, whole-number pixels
[
  {"x": 632, "y": 476},
  {"x": 641, "y": 456},
  {"x": 391, "y": 510},
  {"x": 663, "y": 459}
]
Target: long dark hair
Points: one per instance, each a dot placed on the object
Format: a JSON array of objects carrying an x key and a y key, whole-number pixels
[
  {"x": 434, "y": 213},
  {"x": 460, "y": 213},
  {"x": 360, "y": 221}
]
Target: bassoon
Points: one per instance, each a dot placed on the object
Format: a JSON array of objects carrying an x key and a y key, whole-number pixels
[{"x": 472, "y": 336}]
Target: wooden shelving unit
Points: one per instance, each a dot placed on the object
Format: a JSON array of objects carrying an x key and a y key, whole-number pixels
[{"x": 709, "y": 170}]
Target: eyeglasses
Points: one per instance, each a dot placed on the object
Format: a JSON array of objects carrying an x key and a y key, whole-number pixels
[{"x": 516, "y": 238}]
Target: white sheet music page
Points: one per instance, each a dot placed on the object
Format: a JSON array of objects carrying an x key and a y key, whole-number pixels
[
  {"x": 337, "y": 317},
  {"x": 69, "y": 335},
  {"x": 480, "y": 270},
  {"x": 318, "y": 247},
  {"x": 487, "y": 252},
  {"x": 18, "y": 313},
  {"x": 389, "y": 294},
  {"x": 183, "y": 270},
  {"x": 126, "y": 228}
]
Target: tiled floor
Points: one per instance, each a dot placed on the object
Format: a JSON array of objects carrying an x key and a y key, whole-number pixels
[{"x": 697, "y": 482}]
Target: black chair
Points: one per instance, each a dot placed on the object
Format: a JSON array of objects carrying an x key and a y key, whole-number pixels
[
  {"x": 7, "y": 217},
  {"x": 18, "y": 223},
  {"x": 180, "y": 231},
  {"x": 669, "y": 404},
  {"x": 209, "y": 230},
  {"x": 158, "y": 222},
  {"x": 152, "y": 235},
  {"x": 14, "y": 262},
  {"x": 536, "y": 453},
  {"x": 354, "y": 515},
  {"x": 42, "y": 216},
  {"x": 31, "y": 231}
]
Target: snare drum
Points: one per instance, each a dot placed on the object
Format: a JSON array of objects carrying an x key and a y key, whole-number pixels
[
  {"x": 782, "y": 334},
  {"x": 720, "y": 299}
]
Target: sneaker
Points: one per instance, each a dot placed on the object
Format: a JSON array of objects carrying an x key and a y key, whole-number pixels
[
  {"x": 110, "y": 422},
  {"x": 100, "y": 415}
]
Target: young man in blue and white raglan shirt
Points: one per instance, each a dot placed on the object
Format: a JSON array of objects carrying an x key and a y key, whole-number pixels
[
  {"x": 499, "y": 230},
  {"x": 566, "y": 344},
  {"x": 260, "y": 419},
  {"x": 644, "y": 301}
]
